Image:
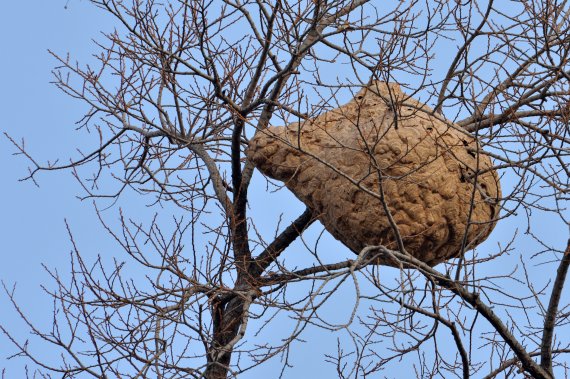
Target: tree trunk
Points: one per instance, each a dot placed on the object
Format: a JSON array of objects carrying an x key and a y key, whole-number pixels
[{"x": 227, "y": 320}]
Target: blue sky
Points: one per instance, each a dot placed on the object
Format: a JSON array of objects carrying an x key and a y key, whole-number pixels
[{"x": 33, "y": 229}]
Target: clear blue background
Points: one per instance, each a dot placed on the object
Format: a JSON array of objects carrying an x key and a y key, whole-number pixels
[{"x": 32, "y": 228}]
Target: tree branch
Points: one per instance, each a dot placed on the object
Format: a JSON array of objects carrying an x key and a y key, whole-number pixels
[
  {"x": 550, "y": 317},
  {"x": 271, "y": 252}
]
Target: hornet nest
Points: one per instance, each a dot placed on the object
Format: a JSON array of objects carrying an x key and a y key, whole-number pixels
[{"x": 353, "y": 164}]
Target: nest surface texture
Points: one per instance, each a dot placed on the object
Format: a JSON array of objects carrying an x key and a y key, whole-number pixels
[{"x": 385, "y": 155}]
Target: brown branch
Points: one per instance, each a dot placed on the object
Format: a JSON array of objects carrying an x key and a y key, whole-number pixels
[
  {"x": 513, "y": 361},
  {"x": 271, "y": 252},
  {"x": 486, "y": 311},
  {"x": 550, "y": 317},
  {"x": 509, "y": 115}
]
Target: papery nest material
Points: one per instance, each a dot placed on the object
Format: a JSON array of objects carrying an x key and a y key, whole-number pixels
[{"x": 437, "y": 183}]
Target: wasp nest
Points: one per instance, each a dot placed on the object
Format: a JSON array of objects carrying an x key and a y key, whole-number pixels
[{"x": 384, "y": 151}]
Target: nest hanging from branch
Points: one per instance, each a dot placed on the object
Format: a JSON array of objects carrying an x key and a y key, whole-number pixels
[{"x": 437, "y": 184}]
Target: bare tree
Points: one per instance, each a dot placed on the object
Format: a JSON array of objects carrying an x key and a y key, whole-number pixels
[{"x": 175, "y": 94}]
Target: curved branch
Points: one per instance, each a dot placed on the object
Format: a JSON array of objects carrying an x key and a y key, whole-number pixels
[{"x": 550, "y": 317}]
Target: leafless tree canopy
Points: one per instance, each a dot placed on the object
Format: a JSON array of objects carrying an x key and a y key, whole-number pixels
[{"x": 174, "y": 95}]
